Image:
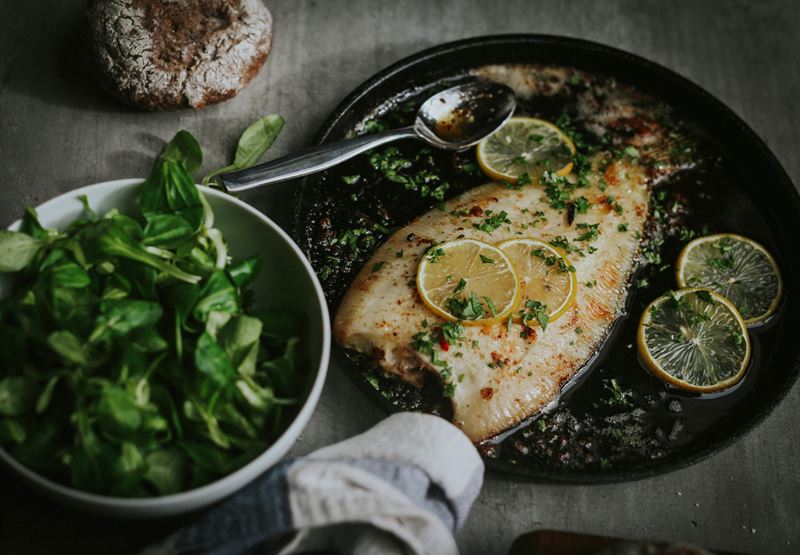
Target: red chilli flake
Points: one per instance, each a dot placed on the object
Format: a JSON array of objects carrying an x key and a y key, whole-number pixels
[{"x": 444, "y": 345}]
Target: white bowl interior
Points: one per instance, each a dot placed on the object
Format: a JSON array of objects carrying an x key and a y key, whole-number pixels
[{"x": 286, "y": 281}]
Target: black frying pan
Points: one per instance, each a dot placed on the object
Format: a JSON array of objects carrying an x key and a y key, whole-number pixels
[{"x": 762, "y": 181}]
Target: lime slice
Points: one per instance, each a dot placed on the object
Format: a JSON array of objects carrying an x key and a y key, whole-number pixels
[
  {"x": 525, "y": 146},
  {"x": 468, "y": 280},
  {"x": 544, "y": 274},
  {"x": 737, "y": 268},
  {"x": 694, "y": 339}
]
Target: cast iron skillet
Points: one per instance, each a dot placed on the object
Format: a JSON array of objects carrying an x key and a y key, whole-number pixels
[{"x": 766, "y": 185}]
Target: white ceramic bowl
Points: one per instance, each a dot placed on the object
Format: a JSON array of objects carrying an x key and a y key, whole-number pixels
[{"x": 286, "y": 281}]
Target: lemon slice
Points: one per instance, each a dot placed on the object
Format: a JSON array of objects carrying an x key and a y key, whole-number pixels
[
  {"x": 544, "y": 274},
  {"x": 737, "y": 268},
  {"x": 694, "y": 339},
  {"x": 468, "y": 280},
  {"x": 525, "y": 145}
]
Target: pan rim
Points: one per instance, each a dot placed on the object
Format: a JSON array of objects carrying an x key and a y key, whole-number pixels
[{"x": 780, "y": 182}]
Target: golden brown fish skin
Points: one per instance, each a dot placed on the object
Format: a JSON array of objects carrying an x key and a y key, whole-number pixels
[{"x": 505, "y": 376}]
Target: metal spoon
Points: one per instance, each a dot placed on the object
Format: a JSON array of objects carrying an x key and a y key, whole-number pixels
[{"x": 453, "y": 119}]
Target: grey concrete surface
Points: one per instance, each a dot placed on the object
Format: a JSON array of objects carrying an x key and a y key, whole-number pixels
[{"x": 58, "y": 132}]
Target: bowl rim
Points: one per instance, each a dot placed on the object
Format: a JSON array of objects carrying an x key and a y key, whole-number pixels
[{"x": 218, "y": 489}]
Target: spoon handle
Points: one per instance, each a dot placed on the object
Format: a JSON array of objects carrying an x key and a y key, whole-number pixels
[{"x": 308, "y": 161}]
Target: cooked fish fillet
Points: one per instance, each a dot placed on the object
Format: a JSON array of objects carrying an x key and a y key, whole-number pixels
[{"x": 502, "y": 376}]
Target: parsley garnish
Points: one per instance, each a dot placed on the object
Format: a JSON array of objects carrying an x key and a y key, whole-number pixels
[
  {"x": 377, "y": 266},
  {"x": 490, "y": 304},
  {"x": 557, "y": 190},
  {"x": 492, "y": 221},
  {"x": 465, "y": 308},
  {"x": 618, "y": 395},
  {"x": 591, "y": 232},
  {"x": 434, "y": 254},
  {"x": 486, "y": 259},
  {"x": 561, "y": 242},
  {"x": 705, "y": 296},
  {"x": 564, "y": 267},
  {"x": 452, "y": 331},
  {"x": 534, "y": 310}
]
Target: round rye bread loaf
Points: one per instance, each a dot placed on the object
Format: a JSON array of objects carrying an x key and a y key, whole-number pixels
[{"x": 170, "y": 54}]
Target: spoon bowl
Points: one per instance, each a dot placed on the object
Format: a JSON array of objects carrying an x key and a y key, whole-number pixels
[
  {"x": 453, "y": 119},
  {"x": 461, "y": 116}
]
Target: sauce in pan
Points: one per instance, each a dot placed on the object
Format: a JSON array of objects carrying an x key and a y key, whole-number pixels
[{"x": 614, "y": 414}]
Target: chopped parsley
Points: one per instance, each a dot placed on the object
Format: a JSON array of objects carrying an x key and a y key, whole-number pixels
[
  {"x": 462, "y": 283},
  {"x": 534, "y": 310},
  {"x": 377, "y": 266},
  {"x": 490, "y": 304},
  {"x": 397, "y": 169},
  {"x": 581, "y": 205},
  {"x": 492, "y": 221},
  {"x": 434, "y": 254},
  {"x": 486, "y": 259},
  {"x": 590, "y": 232},
  {"x": 564, "y": 267},
  {"x": 453, "y": 332},
  {"x": 705, "y": 296},
  {"x": 618, "y": 395},
  {"x": 622, "y": 227},
  {"x": 561, "y": 242},
  {"x": 355, "y": 239},
  {"x": 465, "y": 308},
  {"x": 722, "y": 262},
  {"x": 614, "y": 204},
  {"x": 631, "y": 152},
  {"x": 557, "y": 190},
  {"x": 442, "y": 336}
]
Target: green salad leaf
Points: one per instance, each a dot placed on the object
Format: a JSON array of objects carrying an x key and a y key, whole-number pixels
[
  {"x": 253, "y": 143},
  {"x": 17, "y": 250},
  {"x": 134, "y": 365}
]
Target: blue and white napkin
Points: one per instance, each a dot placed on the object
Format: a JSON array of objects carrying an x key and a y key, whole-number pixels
[{"x": 403, "y": 487}]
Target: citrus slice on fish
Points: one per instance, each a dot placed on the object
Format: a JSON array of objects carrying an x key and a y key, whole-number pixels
[
  {"x": 694, "y": 339},
  {"x": 737, "y": 268},
  {"x": 545, "y": 275},
  {"x": 468, "y": 280},
  {"x": 525, "y": 146}
]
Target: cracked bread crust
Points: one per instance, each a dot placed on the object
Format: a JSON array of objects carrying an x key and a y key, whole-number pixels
[{"x": 172, "y": 54}]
